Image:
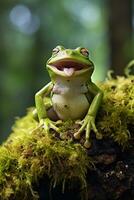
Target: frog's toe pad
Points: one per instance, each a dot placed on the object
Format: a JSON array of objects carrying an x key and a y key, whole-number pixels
[
  {"x": 99, "y": 136},
  {"x": 87, "y": 144},
  {"x": 77, "y": 136}
]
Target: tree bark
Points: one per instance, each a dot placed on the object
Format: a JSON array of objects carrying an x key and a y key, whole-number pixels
[{"x": 120, "y": 34}]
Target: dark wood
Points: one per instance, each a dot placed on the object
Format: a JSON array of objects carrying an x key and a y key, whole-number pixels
[
  {"x": 120, "y": 34},
  {"x": 111, "y": 179}
]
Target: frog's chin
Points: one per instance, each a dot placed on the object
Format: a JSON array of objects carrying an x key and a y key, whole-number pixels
[{"x": 69, "y": 68}]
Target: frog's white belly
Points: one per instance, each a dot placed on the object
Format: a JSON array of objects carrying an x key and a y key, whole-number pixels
[{"x": 70, "y": 107}]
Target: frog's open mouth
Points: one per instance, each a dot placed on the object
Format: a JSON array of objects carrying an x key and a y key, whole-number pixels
[{"x": 69, "y": 66}]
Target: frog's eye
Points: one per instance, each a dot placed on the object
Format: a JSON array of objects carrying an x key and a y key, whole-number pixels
[
  {"x": 55, "y": 50},
  {"x": 84, "y": 52}
]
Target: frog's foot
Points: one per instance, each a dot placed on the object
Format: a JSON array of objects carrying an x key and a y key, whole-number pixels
[
  {"x": 87, "y": 124},
  {"x": 48, "y": 124}
]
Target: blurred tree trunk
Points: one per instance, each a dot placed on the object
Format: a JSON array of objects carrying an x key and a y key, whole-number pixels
[{"x": 120, "y": 33}]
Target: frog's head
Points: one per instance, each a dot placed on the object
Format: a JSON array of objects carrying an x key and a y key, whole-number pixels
[{"x": 70, "y": 62}]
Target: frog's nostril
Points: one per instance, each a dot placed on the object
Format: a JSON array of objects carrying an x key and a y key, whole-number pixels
[{"x": 69, "y": 52}]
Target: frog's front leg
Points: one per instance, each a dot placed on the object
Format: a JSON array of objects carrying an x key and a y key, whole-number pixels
[
  {"x": 44, "y": 120},
  {"x": 88, "y": 122}
]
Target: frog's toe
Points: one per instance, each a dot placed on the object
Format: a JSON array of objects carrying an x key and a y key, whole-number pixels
[
  {"x": 99, "y": 136},
  {"x": 54, "y": 127},
  {"x": 79, "y": 122},
  {"x": 59, "y": 122},
  {"x": 46, "y": 128},
  {"x": 87, "y": 144},
  {"x": 77, "y": 135}
]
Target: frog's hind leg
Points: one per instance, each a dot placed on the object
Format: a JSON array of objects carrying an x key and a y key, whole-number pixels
[{"x": 52, "y": 114}]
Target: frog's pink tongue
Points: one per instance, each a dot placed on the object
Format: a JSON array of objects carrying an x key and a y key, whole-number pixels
[{"x": 69, "y": 71}]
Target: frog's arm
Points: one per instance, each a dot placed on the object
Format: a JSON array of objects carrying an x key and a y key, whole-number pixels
[
  {"x": 42, "y": 114},
  {"x": 88, "y": 122},
  {"x": 98, "y": 95}
]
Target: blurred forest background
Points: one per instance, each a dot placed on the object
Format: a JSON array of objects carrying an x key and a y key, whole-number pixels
[{"x": 30, "y": 29}]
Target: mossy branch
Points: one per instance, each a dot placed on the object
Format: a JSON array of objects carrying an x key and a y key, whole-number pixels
[{"x": 29, "y": 152}]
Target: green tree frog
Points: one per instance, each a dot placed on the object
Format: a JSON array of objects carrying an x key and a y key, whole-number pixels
[{"x": 72, "y": 94}]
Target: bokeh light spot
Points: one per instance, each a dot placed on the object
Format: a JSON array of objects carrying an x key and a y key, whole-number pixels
[{"x": 24, "y": 20}]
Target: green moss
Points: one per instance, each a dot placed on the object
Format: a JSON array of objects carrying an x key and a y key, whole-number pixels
[
  {"x": 29, "y": 152},
  {"x": 116, "y": 116}
]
